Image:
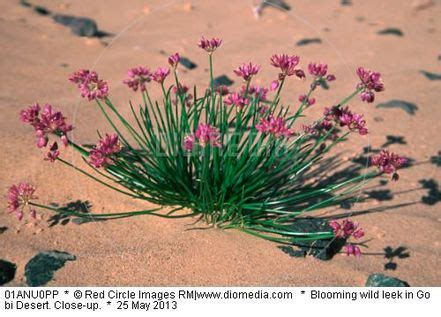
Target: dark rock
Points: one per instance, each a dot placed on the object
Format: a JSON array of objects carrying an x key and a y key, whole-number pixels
[
  {"x": 391, "y": 31},
  {"x": 321, "y": 249},
  {"x": 40, "y": 269},
  {"x": 26, "y": 4},
  {"x": 380, "y": 280},
  {"x": 308, "y": 41},
  {"x": 3, "y": 229},
  {"x": 41, "y": 10},
  {"x": 278, "y": 4},
  {"x": 7, "y": 271},
  {"x": 80, "y": 26},
  {"x": 222, "y": 80},
  {"x": 409, "y": 107},
  {"x": 187, "y": 63},
  {"x": 431, "y": 76},
  {"x": 346, "y": 2}
]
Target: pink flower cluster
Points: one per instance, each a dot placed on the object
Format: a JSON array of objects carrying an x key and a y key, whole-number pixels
[
  {"x": 287, "y": 65},
  {"x": 345, "y": 230},
  {"x": 91, "y": 87},
  {"x": 389, "y": 163},
  {"x": 209, "y": 45},
  {"x": 19, "y": 197},
  {"x": 137, "y": 78},
  {"x": 160, "y": 74},
  {"x": 205, "y": 135},
  {"x": 319, "y": 70},
  {"x": 173, "y": 60},
  {"x": 236, "y": 99},
  {"x": 307, "y": 101},
  {"x": 47, "y": 122},
  {"x": 318, "y": 127},
  {"x": 101, "y": 155},
  {"x": 259, "y": 93},
  {"x": 344, "y": 117},
  {"x": 370, "y": 83},
  {"x": 183, "y": 91},
  {"x": 247, "y": 71},
  {"x": 222, "y": 90},
  {"x": 274, "y": 126}
]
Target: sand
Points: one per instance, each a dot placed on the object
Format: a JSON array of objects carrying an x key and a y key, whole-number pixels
[{"x": 37, "y": 56}]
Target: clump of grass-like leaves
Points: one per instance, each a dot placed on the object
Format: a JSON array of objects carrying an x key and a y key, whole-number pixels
[{"x": 234, "y": 159}]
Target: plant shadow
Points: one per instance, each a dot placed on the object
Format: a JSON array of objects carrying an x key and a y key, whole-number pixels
[
  {"x": 78, "y": 206},
  {"x": 391, "y": 254}
]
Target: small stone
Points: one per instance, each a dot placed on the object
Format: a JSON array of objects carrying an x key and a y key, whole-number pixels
[
  {"x": 431, "y": 76},
  {"x": 187, "y": 63},
  {"x": 320, "y": 249},
  {"x": 222, "y": 80},
  {"x": 40, "y": 269},
  {"x": 308, "y": 41},
  {"x": 391, "y": 31},
  {"x": 380, "y": 280},
  {"x": 41, "y": 10},
  {"x": 146, "y": 10},
  {"x": 346, "y": 2},
  {"x": 26, "y": 4},
  {"x": 7, "y": 271},
  {"x": 80, "y": 26}
]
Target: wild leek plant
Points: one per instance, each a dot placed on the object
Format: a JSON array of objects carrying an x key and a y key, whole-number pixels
[{"x": 237, "y": 160}]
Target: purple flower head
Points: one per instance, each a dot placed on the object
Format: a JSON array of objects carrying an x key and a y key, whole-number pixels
[
  {"x": 46, "y": 122},
  {"x": 19, "y": 197},
  {"x": 331, "y": 77},
  {"x": 160, "y": 74},
  {"x": 189, "y": 142},
  {"x": 31, "y": 114},
  {"x": 307, "y": 101},
  {"x": 222, "y": 90},
  {"x": 351, "y": 249},
  {"x": 274, "y": 126},
  {"x": 259, "y": 93},
  {"x": 388, "y": 162},
  {"x": 346, "y": 229},
  {"x": 209, "y": 45},
  {"x": 91, "y": 87},
  {"x": 137, "y": 78},
  {"x": 247, "y": 71},
  {"x": 317, "y": 69},
  {"x": 370, "y": 82},
  {"x": 207, "y": 134},
  {"x": 101, "y": 154},
  {"x": 182, "y": 90},
  {"x": 236, "y": 99},
  {"x": 344, "y": 117},
  {"x": 287, "y": 64},
  {"x": 173, "y": 60},
  {"x": 53, "y": 153},
  {"x": 274, "y": 85}
]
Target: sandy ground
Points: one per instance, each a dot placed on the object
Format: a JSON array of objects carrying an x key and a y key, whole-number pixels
[{"x": 37, "y": 55}]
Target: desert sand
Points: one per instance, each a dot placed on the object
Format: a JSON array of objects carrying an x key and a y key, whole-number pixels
[{"x": 37, "y": 55}]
